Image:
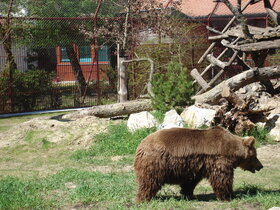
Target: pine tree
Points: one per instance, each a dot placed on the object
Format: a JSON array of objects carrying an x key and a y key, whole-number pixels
[{"x": 172, "y": 89}]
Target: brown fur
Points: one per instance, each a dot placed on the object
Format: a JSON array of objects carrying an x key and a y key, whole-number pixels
[{"x": 186, "y": 156}]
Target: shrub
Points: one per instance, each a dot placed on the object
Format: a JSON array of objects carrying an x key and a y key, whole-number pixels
[
  {"x": 261, "y": 135},
  {"x": 27, "y": 89},
  {"x": 172, "y": 88},
  {"x": 29, "y": 86}
]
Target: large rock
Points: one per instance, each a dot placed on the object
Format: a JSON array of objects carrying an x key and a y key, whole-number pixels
[
  {"x": 172, "y": 120},
  {"x": 274, "y": 208},
  {"x": 273, "y": 126},
  {"x": 197, "y": 117},
  {"x": 141, "y": 120}
]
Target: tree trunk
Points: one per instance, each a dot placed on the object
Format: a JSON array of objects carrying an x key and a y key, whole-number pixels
[
  {"x": 10, "y": 64},
  {"x": 77, "y": 70},
  {"x": 253, "y": 75},
  {"x": 123, "y": 81},
  {"x": 112, "y": 110}
]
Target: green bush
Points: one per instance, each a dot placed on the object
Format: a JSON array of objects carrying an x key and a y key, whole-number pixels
[
  {"x": 261, "y": 135},
  {"x": 26, "y": 89},
  {"x": 172, "y": 89},
  {"x": 29, "y": 86}
]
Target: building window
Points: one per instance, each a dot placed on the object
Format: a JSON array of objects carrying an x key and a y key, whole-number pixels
[
  {"x": 103, "y": 54},
  {"x": 85, "y": 54},
  {"x": 63, "y": 55}
]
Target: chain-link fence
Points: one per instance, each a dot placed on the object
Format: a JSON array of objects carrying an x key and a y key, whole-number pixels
[
  {"x": 57, "y": 65},
  {"x": 66, "y": 62}
]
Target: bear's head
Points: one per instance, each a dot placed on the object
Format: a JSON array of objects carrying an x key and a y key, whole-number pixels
[{"x": 250, "y": 162}]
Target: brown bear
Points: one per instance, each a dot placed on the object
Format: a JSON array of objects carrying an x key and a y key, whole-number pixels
[{"x": 185, "y": 156}]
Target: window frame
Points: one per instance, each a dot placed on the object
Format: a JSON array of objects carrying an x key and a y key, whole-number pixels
[{"x": 76, "y": 49}]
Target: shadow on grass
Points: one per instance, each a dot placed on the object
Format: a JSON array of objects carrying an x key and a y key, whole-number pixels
[
  {"x": 59, "y": 118},
  {"x": 253, "y": 191},
  {"x": 238, "y": 194}
]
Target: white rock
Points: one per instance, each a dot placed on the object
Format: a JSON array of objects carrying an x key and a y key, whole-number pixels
[
  {"x": 274, "y": 208},
  {"x": 172, "y": 120},
  {"x": 273, "y": 125},
  {"x": 141, "y": 120},
  {"x": 197, "y": 117},
  {"x": 260, "y": 124}
]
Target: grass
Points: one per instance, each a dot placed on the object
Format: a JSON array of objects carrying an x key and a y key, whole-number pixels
[
  {"x": 116, "y": 141},
  {"x": 76, "y": 179},
  {"x": 96, "y": 190}
]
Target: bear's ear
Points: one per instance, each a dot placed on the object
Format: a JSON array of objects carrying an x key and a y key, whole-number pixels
[{"x": 249, "y": 141}]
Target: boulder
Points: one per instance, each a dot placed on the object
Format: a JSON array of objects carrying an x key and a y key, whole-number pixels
[
  {"x": 172, "y": 120},
  {"x": 273, "y": 126},
  {"x": 141, "y": 120},
  {"x": 274, "y": 208},
  {"x": 197, "y": 117}
]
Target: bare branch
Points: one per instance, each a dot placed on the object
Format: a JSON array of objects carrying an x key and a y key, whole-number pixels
[
  {"x": 239, "y": 16},
  {"x": 272, "y": 14}
]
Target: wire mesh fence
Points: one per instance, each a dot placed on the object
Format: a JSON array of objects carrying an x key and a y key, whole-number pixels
[
  {"x": 57, "y": 66},
  {"x": 67, "y": 63}
]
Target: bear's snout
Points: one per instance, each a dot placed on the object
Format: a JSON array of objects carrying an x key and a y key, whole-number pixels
[{"x": 259, "y": 165}]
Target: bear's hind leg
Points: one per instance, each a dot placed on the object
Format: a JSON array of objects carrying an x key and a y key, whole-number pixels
[
  {"x": 187, "y": 188},
  {"x": 147, "y": 190}
]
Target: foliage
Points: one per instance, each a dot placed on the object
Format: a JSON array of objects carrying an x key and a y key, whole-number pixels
[
  {"x": 26, "y": 88},
  {"x": 172, "y": 89},
  {"x": 261, "y": 135},
  {"x": 178, "y": 40},
  {"x": 159, "y": 115},
  {"x": 116, "y": 141}
]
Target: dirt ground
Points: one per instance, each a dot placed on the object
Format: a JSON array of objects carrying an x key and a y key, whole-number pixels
[{"x": 55, "y": 130}]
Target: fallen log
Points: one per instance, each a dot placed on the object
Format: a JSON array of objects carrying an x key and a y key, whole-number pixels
[
  {"x": 112, "y": 110},
  {"x": 250, "y": 76}
]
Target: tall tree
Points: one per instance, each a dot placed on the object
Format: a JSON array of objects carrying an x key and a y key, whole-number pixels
[{"x": 6, "y": 34}]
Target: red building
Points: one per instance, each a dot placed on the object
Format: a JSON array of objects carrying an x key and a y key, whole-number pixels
[{"x": 88, "y": 63}]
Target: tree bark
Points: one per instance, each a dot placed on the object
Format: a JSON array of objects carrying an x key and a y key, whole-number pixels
[
  {"x": 76, "y": 67},
  {"x": 272, "y": 14},
  {"x": 252, "y": 75},
  {"x": 113, "y": 110},
  {"x": 123, "y": 81},
  {"x": 10, "y": 64},
  {"x": 5, "y": 35},
  {"x": 259, "y": 59}
]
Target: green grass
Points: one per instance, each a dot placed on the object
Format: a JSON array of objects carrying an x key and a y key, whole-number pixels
[
  {"x": 67, "y": 187},
  {"x": 116, "y": 141},
  {"x": 96, "y": 190},
  {"x": 79, "y": 182},
  {"x": 17, "y": 194}
]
